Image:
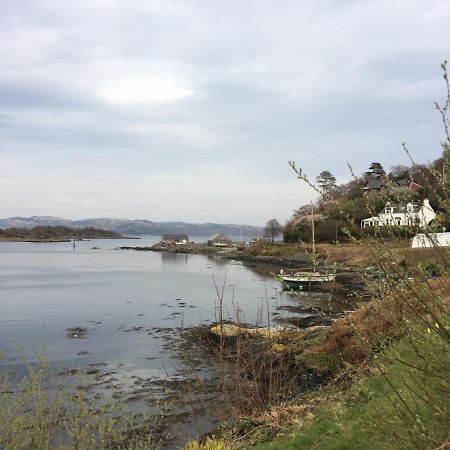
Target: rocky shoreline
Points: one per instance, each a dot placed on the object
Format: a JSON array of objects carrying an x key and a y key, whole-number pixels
[
  {"x": 301, "y": 260},
  {"x": 235, "y": 253}
]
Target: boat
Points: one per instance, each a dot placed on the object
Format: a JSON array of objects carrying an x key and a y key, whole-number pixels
[
  {"x": 306, "y": 279},
  {"x": 300, "y": 280}
]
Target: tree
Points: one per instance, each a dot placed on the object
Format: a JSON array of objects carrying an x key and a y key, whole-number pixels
[
  {"x": 272, "y": 229},
  {"x": 376, "y": 169},
  {"x": 327, "y": 183},
  {"x": 399, "y": 171}
]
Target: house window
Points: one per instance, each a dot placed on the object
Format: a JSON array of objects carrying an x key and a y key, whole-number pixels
[
  {"x": 398, "y": 221},
  {"x": 388, "y": 210},
  {"x": 410, "y": 207}
]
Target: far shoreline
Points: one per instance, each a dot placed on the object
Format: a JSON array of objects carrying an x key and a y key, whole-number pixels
[
  {"x": 48, "y": 241},
  {"x": 47, "y": 234}
]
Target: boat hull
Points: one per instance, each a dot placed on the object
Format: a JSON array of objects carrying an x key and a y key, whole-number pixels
[{"x": 296, "y": 282}]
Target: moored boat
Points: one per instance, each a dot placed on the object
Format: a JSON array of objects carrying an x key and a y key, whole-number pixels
[
  {"x": 301, "y": 280},
  {"x": 304, "y": 279}
]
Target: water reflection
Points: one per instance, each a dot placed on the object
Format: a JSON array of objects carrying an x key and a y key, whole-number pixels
[
  {"x": 170, "y": 259},
  {"x": 217, "y": 260}
]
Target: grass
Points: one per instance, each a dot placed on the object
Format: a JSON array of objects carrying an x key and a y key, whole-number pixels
[
  {"x": 209, "y": 444},
  {"x": 385, "y": 369},
  {"x": 355, "y": 254},
  {"x": 277, "y": 249},
  {"x": 369, "y": 416},
  {"x": 349, "y": 254}
]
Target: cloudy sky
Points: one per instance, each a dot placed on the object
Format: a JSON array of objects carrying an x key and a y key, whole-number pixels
[{"x": 189, "y": 110}]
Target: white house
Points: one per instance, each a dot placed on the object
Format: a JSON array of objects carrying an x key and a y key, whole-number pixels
[
  {"x": 431, "y": 240},
  {"x": 402, "y": 215}
]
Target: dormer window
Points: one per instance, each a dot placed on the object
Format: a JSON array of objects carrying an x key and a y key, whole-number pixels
[
  {"x": 388, "y": 210},
  {"x": 410, "y": 208}
]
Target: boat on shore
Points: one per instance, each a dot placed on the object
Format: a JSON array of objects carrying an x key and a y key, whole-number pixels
[{"x": 304, "y": 279}]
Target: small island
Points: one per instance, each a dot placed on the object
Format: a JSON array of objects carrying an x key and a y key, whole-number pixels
[{"x": 56, "y": 234}]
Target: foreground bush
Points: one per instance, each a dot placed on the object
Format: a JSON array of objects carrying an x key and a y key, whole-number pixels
[{"x": 38, "y": 414}]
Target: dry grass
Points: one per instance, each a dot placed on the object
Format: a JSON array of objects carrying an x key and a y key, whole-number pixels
[
  {"x": 276, "y": 249},
  {"x": 352, "y": 254}
]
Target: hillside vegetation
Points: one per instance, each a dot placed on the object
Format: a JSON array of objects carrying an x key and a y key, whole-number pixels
[
  {"x": 340, "y": 208},
  {"x": 58, "y": 233}
]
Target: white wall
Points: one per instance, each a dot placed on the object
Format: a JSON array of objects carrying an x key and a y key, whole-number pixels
[{"x": 431, "y": 240}]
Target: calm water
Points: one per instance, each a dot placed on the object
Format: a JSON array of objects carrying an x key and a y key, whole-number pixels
[
  {"x": 128, "y": 301},
  {"x": 46, "y": 288}
]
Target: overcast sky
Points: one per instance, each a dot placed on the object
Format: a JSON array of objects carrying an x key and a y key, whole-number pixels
[{"x": 189, "y": 110}]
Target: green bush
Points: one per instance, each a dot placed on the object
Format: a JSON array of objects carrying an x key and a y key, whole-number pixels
[{"x": 322, "y": 363}]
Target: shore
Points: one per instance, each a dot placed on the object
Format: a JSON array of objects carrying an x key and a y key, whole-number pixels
[
  {"x": 55, "y": 240},
  {"x": 343, "y": 258},
  {"x": 349, "y": 257}
]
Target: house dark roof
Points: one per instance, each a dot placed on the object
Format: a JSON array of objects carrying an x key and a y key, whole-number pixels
[
  {"x": 373, "y": 183},
  {"x": 378, "y": 184},
  {"x": 404, "y": 182}
]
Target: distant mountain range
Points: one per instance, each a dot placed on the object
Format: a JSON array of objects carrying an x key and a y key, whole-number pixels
[{"x": 135, "y": 227}]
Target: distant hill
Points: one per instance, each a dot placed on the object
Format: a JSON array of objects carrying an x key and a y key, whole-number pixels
[{"x": 134, "y": 227}]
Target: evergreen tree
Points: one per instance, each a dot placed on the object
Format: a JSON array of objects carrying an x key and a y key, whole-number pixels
[
  {"x": 376, "y": 169},
  {"x": 327, "y": 183}
]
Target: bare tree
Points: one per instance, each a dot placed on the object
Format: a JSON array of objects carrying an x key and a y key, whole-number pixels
[
  {"x": 272, "y": 229},
  {"x": 399, "y": 171}
]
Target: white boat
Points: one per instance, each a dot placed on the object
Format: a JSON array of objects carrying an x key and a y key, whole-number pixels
[
  {"x": 304, "y": 279},
  {"x": 300, "y": 280}
]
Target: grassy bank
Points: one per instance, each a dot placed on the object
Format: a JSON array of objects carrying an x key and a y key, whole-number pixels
[
  {"x": 352, "y": 254},
  {"x": 371, "y": 414},
  {"x": 383, "y": 369},
  {"x": 395, "y": 398},
  {"x": 360, "y": 254}
]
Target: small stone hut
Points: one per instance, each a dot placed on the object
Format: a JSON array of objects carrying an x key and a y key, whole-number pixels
[
  {"x": 219, "y": 240},
  {"x": 175, "y": 238}
]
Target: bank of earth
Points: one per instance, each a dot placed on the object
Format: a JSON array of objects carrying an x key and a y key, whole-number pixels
[{"x": 376, "y": 378}]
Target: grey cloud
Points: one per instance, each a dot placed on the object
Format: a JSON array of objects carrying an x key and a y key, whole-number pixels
[
  {"x": 320, "y": 82},
  {"x": 30, "y": 95}
]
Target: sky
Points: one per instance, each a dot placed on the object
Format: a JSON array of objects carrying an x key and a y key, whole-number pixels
[{"x": 189, "y": 110}]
